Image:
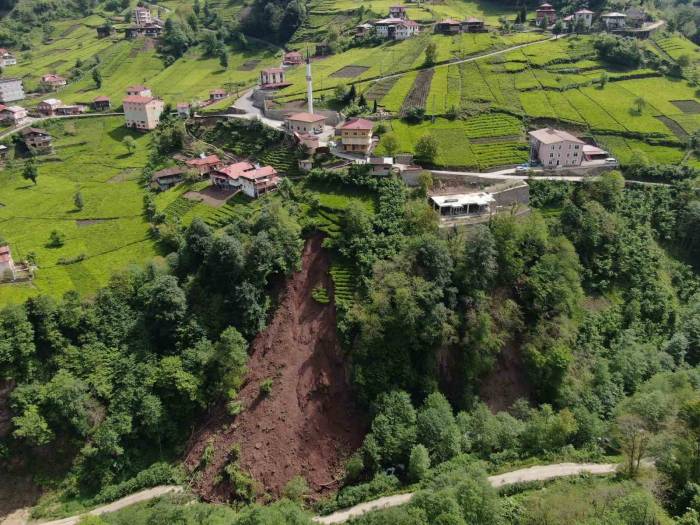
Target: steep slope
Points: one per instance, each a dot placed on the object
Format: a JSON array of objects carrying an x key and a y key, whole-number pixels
[{"x": 308, "y": 424}]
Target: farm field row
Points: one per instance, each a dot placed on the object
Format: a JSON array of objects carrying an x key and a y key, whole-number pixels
[{"x": 108, "y": 234}]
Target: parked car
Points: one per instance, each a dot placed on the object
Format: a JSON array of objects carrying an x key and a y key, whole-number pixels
[{"x": 611, "y": 160}]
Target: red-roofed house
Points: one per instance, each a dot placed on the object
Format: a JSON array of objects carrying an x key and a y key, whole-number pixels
[
  {"x": 246, "y": 177},
  {"x": 142, "y": 112},
  {"x": 7, "y": 265},
  {"x": 217, "y": 94},
  {"x": 52, "y": 81},
  {"x": 293, "y": 58},
  {"x": 305, "y": 123},
  {"x": 204, "y": 165},
  {"x": 356, "y": 135}
]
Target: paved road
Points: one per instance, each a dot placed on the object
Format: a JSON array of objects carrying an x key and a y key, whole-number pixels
[{"x": 538, "y": 473}]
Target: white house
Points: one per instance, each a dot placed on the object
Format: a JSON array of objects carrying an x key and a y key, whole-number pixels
[
  {"x": 614, "y": 21},
  {"x": 142, "y": 16},
  {"x": 246, "y": 177},
  {"x": 585, "y": 17},
  {"x": 13, "y": 114},
  {"x": 7, "y": 58},
  {"x": 555, "y": 148},
  {"x": 11, "y": 89},
  {"x": 396, "y": 28},
  {"x": 7, "y": 265},
  {"x": 305, "y": 123},
  {"x": 138, "y": 90},
  {"x": 461, "y": 205}
]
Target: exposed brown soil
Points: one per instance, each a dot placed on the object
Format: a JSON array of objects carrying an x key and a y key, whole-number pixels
[
  {"x": 349, "y": 72},
  {"x": 309, "y": 424},
  {"x": 210, "y": 195},
  {"x": 418, "y": 94}
]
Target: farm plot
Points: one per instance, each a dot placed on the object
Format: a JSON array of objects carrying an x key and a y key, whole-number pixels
[
  {"x": 492, "y": 125},
  {"x": 625, "y": 149},
  {"x": 107, "y": 235},
  {"x": 393, "y": 100},
  {"x": 687, "y": 106},
  {"x": 378, "y": 90},
  {"x": 500, "y": 153},
  {"x": 475, "y": 89},
  {"x": 445, "y": 90},
  {"x": 419, "y": 91},
  {"x": 349, "y": 72}
]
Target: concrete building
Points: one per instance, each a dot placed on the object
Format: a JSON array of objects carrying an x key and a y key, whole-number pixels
[
  {"x": 272, "y": 77},
  {"x": 183, "y": 110},
  {"x": 13, "y": 114},
  {"x": 246, "y": 177},
  {"x": 142, "y": 112},
  {"x": 613, "y": 21},
  {"x": 52, "y": 82},
  {"x": 7, "y": 58},
  {"x": 142, "y": 16},
  {"x": 584, "y": 17},
  {"x": 545, "y": 14},
  {"x": 305, "y": 123},
  {"x": 152, "y": 30},
  {"x": 11, "y": 89},
  {"x": 396, "y": 28},
  {"x": 356, "y": 135},
  {"x": 8, "y": 272},
  {"x": 48, "y": 107},
  {"x": 555, "y": 148},
  {"x": 217, "y": 94},
  {"x": 37, "y": 140},
  {"x": 460, "y": 205},
  {"x": 363, "y": 30},
  {"x": 70, "y": 109},
  {"x": 398, "y": 11}
]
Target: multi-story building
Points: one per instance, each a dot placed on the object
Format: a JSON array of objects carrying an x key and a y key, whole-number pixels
[
  {"x": 142, "y": 16},
  {"x": 555, "y": 148},
  {"x": 398, "y": 11},
  {"x": 37, "y": 140},
  {"x": 138, "y": 90},
  {"x": 614, "y": 21},
  {"x": 52, "y": 82},
  {"x": 7, "y": 58},
  {"x": 13, "y": 114},
  {"x": 356, "y": 135},
  {"x": 545, "y": 14},
  {"x": 11, "y": 89},
  {"x": 142, "y": 112},
  {"x": 48, "y": 107},
  {"x": 271, "y": 77},
  {"x": 396, "y": 28},
  {"x": 244, "y": 176},
  {"x": 305, "y": 123}
]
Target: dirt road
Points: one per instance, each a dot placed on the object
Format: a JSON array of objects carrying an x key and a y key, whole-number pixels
[
  {"x": 538, "y": 473},
  {"x": 21, "y": 517}
]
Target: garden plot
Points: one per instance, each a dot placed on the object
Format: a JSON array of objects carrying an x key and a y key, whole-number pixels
[
  {"x": 349, "y": 72},
  {"x": 378, "y": 90},
  {"x": 419, "y": 91},
  {"x": 490, "y": 125},
  {"x": 675, "y": 128},
  {"x": 687, "y": 106}
]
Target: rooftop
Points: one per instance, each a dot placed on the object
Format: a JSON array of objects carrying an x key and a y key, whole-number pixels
[
  {"x": 203, "y": 161},
  {"x": 9, "y": 79},
  {"x": 450, "y": 21},
  {"x": 584, "y": 12},
  {"x": 552, "y": 136},
  {"x": 51, "y": 101},
  {"x": 273, "y": 70},
  {"x": 614, "y": 15},
  {"x": 137, "y": 87},
  {"x": 357, "y": 123},
  {"x": 459, "y": 200},
  {"x": 247, "y": 170},
  {"x": 30, "y": 131},
  {"x": 101, "y": 98},
  {"x": 473, "y": 20},
  {"x": 168, "y": 172},
  {"x": 306, "y": 117},
  {"x": 52, "y": 77},
  {"x": 15, "y": 109},
  {"x": 138, "y": 99}
]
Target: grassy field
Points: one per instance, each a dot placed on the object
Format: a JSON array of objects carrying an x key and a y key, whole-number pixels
[{"x": 110, "y": 232}]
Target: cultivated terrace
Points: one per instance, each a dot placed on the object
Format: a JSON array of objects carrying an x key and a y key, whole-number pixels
[{"x": 279, "y": 262}]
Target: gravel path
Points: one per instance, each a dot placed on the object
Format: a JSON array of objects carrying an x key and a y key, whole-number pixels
[{"x": 538, "y": 473}]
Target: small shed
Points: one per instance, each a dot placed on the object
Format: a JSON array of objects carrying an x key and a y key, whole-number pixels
[{"x": 101, "y": 103}]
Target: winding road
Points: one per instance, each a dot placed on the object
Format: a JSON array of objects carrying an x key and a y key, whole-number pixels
[{"x": 536, "y": 473}]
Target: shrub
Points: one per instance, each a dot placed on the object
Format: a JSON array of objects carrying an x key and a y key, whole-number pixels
[
  {"x": 56, "y": 239},
  {"x": 266, "y": 387},
  {"x": 419, "y": 463}
]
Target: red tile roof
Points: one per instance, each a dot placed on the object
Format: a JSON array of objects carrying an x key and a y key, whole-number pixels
[
  {"x": 203, "y": 161},
  {"x": 101, "y": 98},
  {"x": 51, "y": 77},
  {"x": 218, "y": 91},
  {"x": 137, "y": 87},
  {"x": 247, "y": 171},
  {"x": 357, "y": 123}
]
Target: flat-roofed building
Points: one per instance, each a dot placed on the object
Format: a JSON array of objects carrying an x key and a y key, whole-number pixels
[{"x": 462, "y": 204}]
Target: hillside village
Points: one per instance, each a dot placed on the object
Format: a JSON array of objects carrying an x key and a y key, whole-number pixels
[{"x": 297, "y": 262}]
